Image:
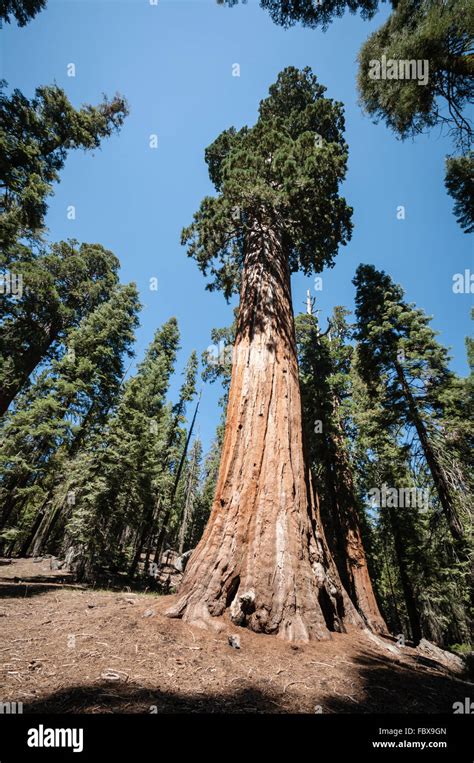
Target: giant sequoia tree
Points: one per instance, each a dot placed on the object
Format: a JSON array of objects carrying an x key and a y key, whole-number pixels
[
  {"x": 263, "y": 555},
  {"x": 438, "y": 32}
]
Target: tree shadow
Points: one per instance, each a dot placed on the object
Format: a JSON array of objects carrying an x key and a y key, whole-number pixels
[
  {"x": 24, "y": 589},
  {"x": 132, "y": 698},
  {"x": 388, "y": 688},
  {"x": 401, "y": 688}
]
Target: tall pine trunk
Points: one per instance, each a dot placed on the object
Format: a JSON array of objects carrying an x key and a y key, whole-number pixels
[
  {"x": 163, "y": 534},
  {"x": 263, "y": 555},
  {"x": 407, "y": 588},
  {"x": 436, "y": 470}
]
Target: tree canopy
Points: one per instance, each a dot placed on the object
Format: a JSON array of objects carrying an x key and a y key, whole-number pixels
[
  {"x": 321, "y": 13},
  {"x": 61, "y": 287},
  {"x": 35, "y": 137},
  {"x": 439, "y": 32},
  {"x": 20, "y": 10},
  {"x": 288, "y": 165}
]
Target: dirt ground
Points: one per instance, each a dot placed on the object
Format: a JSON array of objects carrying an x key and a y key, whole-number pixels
[{"x": 66, "y": 648}]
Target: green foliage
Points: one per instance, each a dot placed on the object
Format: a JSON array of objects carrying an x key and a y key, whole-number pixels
[
  {"x": 35, "y": 137},
  {"x": 393, "y": 333},
  {"x": 287, "y": 167},
  {"x": 217, "y": 359},
  {"x": 416, "y": 414},
  {"x": 205, "y": 498},
  {"x": 459, "y": 181},
  {"x": 324, "y": 359},
  {"x": 117, "y": 478},
  {"x": 412, "y": 555},
  {"x": 440, "y": 32},
  {"x": 115, "y": 520},
  {"x": 21, "y": 10},
  {"x": 437, "y": 32},
  {"x": 398, "y": 347},
  {"x": 60, "y": 288},
  {"x": 286, "y": 13},
  {"x": 364, "y": 438},
  {"x": 68, "y": 401}
]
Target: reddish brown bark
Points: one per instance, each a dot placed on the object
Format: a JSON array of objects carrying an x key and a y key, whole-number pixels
[
  {"x": 347, "y": 544},
  {"x": 263, "y": 555}
]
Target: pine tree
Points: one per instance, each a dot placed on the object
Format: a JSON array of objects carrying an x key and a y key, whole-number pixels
[
  {"x": 35, "y": 138},
  {"x": 382, "y": 465},
  {"x": 397, "y": 344},
  {"x": 116, "y": 480},
  {"x": 192, "y": 483},
  {"x": 420, "y": 580},
  {"x": 459, "y": 181},
  {"x": 263, "y": 553},
  {"x": 286, "y": 13},
  {"x": 60, "y": 289},
  {"x": 437, "y": 33},
  {"x": 440, "y": 33},
  {"x": 63, "y": 406},
  {"x": 205, "y": 498},
  {"x": 21, "y": 10},
  {"x": 175, "y": 451}
]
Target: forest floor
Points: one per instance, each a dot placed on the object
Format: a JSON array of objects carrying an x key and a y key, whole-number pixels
[{"x": 67, "y": 648}]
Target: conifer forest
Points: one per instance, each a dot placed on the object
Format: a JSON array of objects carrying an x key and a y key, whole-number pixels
[{"x": 236, "y": 367}]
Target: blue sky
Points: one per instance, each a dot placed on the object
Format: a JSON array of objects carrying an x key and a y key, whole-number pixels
[{"x": 173, "y": 62}]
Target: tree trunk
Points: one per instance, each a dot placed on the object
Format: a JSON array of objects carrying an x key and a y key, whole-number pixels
[
  {"x": 11, "y": 500},
  {"x": 390, "y": 583},
  {"x": 34, "y": 529},
  {"x": 44, "y": 531},
  {"x": 30, "y": 360},
  {"x": 139, "y": 547},
  {"x": 188, "y": 506},
  {"x": 263, "y": 555},
  {"x": 408, "y": 593},
  {"x": 436, "y": 470},
  {"x": 162, "y": 535},
  {"x": 348, "y": 550}
]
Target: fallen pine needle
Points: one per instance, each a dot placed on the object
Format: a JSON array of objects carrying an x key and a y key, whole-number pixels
[{"x": 293, "y": 683}]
